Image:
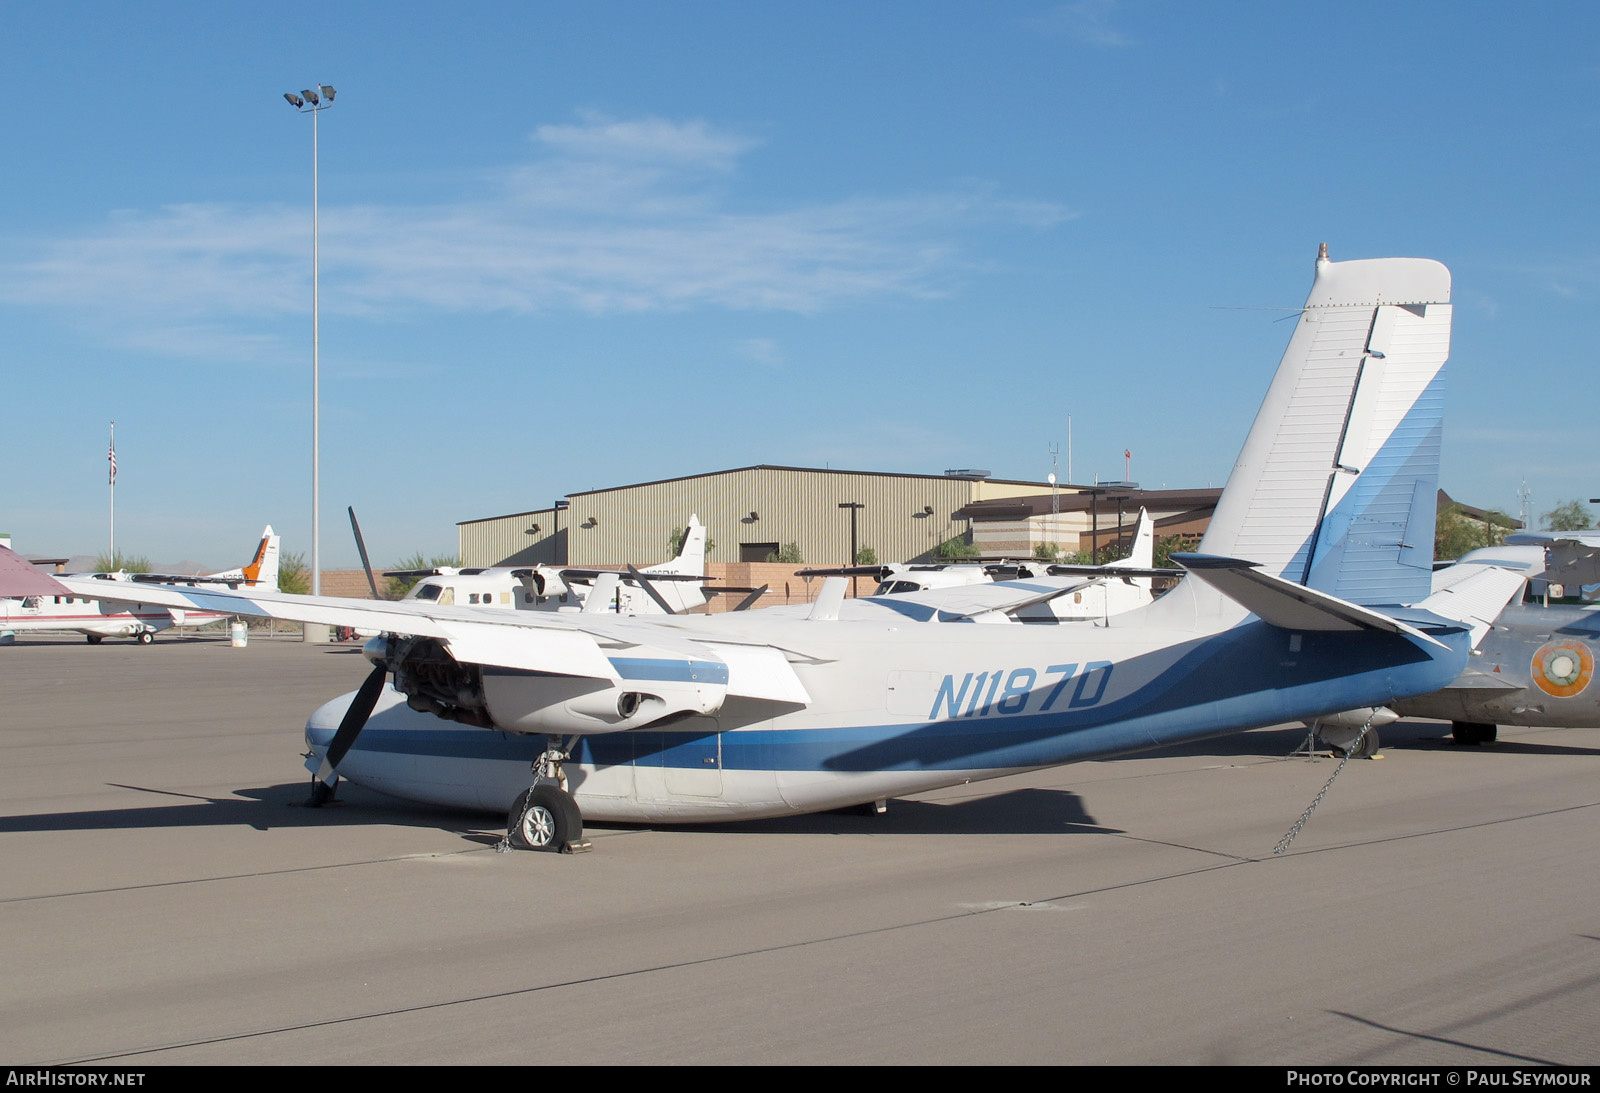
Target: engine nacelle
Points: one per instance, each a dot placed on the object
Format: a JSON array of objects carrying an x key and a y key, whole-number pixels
[{"x": 649, "y": 691}]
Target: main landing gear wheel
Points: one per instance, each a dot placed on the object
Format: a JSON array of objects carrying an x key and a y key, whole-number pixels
[
  {"x": 1473, "y": 732},
  {"x": 146, "y": 637},
  {"x": 95, "y": 639},
  {"x": 1366, "y": 749},
  {"x": 546, "y": 818}
]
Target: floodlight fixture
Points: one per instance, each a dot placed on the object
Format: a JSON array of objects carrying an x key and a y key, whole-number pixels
[
  {"x": 311, "y": 96},
  {"x": 294, "y": 100}
]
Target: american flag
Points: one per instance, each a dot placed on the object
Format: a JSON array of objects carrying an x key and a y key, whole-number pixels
[{"x": 111, "y": 454}]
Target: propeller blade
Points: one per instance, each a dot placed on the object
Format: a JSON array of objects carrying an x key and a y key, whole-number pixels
[
  {"x": 362, "y": 547},
  {"x": 350, "y": 726},
  {"x": 645, "y": 583},
  {"x": 745, "y": 603}
]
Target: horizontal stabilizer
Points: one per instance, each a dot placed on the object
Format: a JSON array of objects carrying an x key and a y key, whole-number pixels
[{"x": 1286, "y": 604}]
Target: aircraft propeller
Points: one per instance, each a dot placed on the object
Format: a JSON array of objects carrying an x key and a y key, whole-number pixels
[
  {"x": 361, "y": 546},
  {"x": 361, "y": 707},
  {"x": 350, "y": 726}
]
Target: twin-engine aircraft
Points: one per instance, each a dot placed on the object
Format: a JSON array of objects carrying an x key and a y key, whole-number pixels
[
  {"x": 109, "y": 611},
  {"x": 1535, "y": 664},
  {"x": 669, "y": 588},
  {"x": 1287, "y": 612},
  {"x": 1101, "y": 590}
]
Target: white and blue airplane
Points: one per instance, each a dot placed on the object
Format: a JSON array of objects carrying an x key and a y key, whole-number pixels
[{"x": 1289, "y": 610}]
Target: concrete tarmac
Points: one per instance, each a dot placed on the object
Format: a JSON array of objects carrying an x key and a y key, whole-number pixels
[{"x": 163, "y": 899}]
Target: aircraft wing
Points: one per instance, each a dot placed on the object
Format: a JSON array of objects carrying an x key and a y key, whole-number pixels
[
  {"x": 630, "y": 574},
  {"x": 400, "y": 618},
  {"x": 1574, "y": 556},
  {"x": 970, "y": 600},
  {"x": 562, "y": 644},
  {"x": 877, "y": 572},
  {"x": 1590, "y": 539},
  {"x": 20, "y": 577},
  {"x": 1475, "y": 597},
  {"x": 1112, "y": 569}
]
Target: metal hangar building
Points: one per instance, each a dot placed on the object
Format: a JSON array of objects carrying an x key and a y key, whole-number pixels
[{"x": 749, "y": 513}]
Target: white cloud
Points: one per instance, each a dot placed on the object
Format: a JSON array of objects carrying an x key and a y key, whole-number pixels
[
  {"x": 653, "y": 140},
  {"x": 762, "y": 351},
  {"x": 609, "y": 216},
  {"x": 1089, "y": 21}
]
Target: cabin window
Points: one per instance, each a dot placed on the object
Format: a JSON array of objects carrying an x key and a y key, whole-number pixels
[{"x": 472, "y": 597}]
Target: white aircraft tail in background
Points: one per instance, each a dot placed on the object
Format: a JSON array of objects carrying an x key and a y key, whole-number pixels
[{"x": 677, "y": 585}]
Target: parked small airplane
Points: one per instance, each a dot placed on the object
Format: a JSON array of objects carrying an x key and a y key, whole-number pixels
[
  {"x": 113, "y": 612},
  {"x": 1535, "y": 664},
  {"x": 1327, "y": 517},
  {"x": 1108, "y": 590},
  {"x": 669, "y": 588}
]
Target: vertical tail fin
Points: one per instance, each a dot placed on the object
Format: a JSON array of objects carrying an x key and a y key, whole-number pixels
[
  {"x": 1336, "y": 485},
  {"x": 691, "y": 558},
  {"x": 262, "y": 572},
  {"x": 1143, "y": 554}
]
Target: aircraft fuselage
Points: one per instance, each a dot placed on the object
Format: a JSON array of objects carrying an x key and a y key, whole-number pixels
[{"x": 907, "y": 709}]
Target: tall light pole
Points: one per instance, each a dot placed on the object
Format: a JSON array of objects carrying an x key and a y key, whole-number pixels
[
  {"x": 854, "y": 507},
  {"x": 310, "y": 102}
]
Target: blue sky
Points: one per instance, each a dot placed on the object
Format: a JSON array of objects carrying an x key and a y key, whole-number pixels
[{"x": 575, "y": 245}]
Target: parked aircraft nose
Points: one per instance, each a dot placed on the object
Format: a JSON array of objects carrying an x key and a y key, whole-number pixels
[{"x": 324, "y": 722}]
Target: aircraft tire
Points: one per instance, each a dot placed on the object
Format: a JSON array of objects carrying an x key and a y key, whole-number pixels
[
  {"x": 146, "y": 637},
  {"x": 1365, "y": 750},
  {"x": 544, "y": 818},
  {"x": 1472, "y": 733},
  {"x": 95, "y": 639}
]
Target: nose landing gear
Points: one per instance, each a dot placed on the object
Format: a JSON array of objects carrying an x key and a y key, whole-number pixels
[{"x": 545, "y": 816}]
